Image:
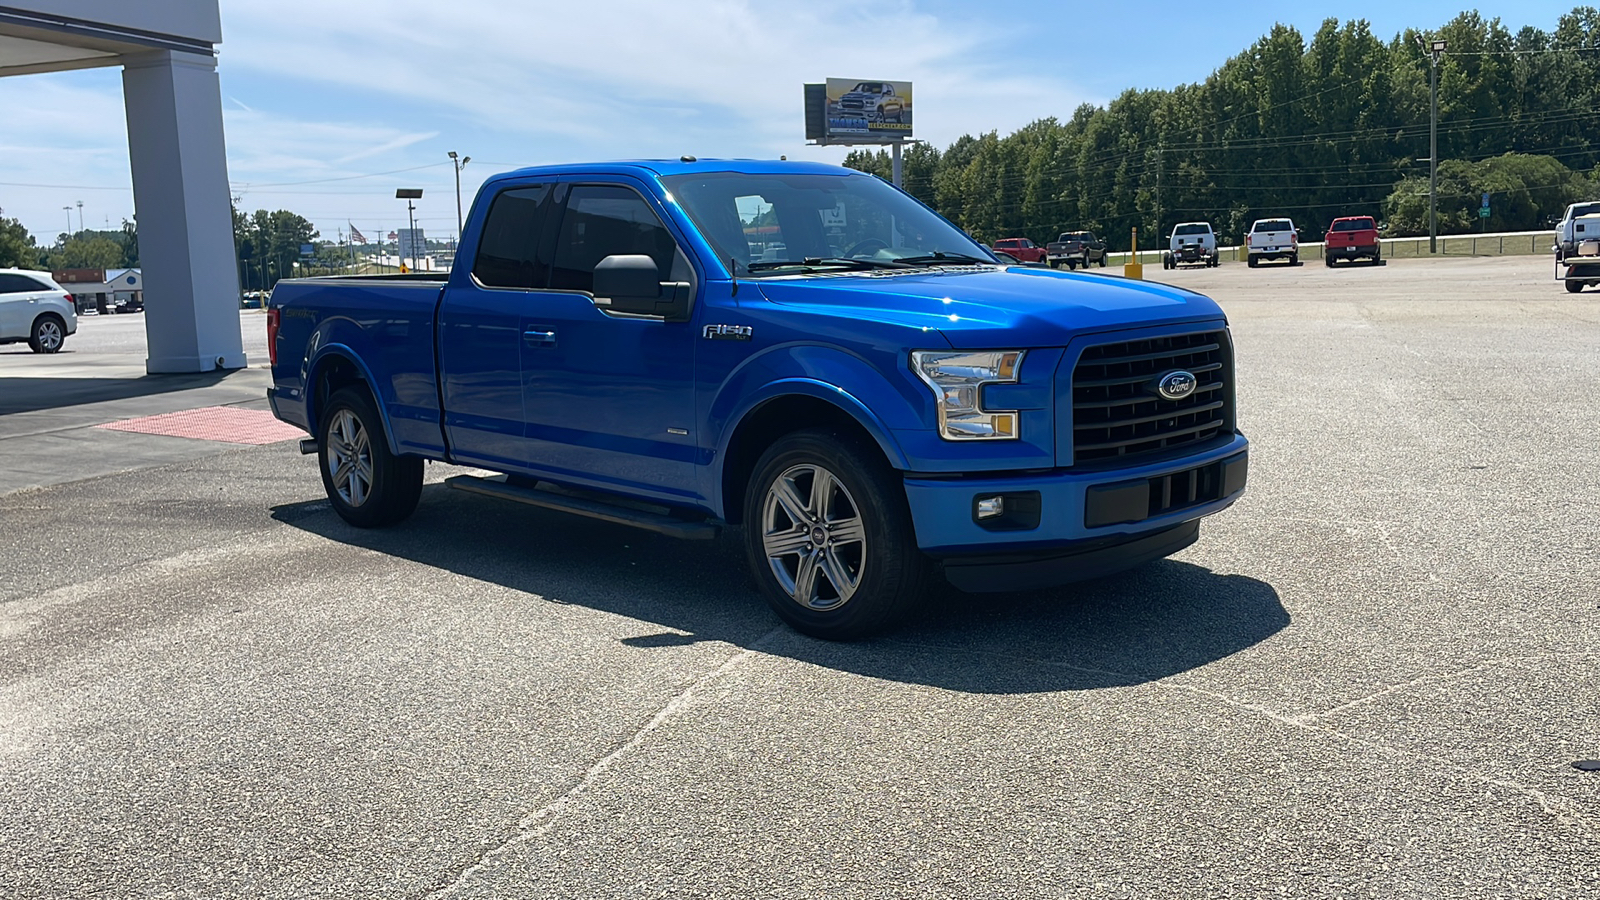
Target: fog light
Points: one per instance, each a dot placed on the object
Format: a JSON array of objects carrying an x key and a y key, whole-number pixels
[{"x": 991, "y": 507}]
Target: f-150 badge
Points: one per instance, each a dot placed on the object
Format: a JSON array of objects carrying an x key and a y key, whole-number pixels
[{"x": 728, "y": 332}]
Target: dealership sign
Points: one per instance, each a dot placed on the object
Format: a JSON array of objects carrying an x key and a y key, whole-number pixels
[{"x": 851, "y": 111}]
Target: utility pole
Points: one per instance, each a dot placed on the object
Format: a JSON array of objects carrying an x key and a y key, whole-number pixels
[
  {"x": 81, "y": 226},
  {"x": 459, "y": 164},
  {"x": 1160, "y": 150},
  {"x": 1436, "y": 50},
  {"x": 895, "y": 170},
  {"x": 68, "y": 235}
]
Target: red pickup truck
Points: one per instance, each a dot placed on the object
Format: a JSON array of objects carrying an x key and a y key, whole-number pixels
[
  {"x": 1352, "y": 238},
  {"x": 1022, "y": 249}
]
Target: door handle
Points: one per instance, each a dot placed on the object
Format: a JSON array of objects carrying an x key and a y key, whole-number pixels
[{"x": 540, "y": 338}]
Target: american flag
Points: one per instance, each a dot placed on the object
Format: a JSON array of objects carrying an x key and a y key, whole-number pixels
[{"x": 355, "y": 234}]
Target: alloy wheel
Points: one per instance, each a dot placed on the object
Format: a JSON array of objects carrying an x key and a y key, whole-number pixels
[
  {"x": 814, "y": 537},
  {"x": 350, "y": 458}
]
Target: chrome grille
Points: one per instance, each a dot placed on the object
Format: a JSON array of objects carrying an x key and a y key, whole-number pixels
[{"x": 1116, "y": 412}]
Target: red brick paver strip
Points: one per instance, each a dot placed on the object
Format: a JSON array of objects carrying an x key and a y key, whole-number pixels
[{"x": 213, "y": 423}]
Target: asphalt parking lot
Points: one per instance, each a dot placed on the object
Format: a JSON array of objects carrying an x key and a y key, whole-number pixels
[{"x": 1370, "y": 678}]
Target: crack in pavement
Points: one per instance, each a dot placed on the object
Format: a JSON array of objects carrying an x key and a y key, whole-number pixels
[{"x": 539, "y": 821}]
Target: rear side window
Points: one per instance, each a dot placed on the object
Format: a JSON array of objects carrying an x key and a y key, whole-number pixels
[
  {"x": 508, "y": 250},
  {"x": 12, "y": 283},
  {"x": 605, "y": 220}
]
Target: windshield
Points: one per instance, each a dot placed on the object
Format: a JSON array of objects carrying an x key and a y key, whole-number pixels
[
  {"x": 869, "y": 87},
  {"x": 1274, "y": 225},
  {"x": 763, "y": 220},
  {"x": 1193, "y": 229},
  {"x": 1352, "y": 225}
]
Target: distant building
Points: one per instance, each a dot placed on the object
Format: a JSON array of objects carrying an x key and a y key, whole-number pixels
[{"x": 103, "y": 290}]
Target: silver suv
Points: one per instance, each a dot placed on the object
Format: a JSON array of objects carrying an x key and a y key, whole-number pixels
[{"x": 35, "y": 309}]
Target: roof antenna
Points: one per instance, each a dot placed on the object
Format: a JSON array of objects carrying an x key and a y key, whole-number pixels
[{"x": 733, "y": 274}]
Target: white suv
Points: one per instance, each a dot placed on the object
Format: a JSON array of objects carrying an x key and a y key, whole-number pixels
[{"x": 35, "y": 309}]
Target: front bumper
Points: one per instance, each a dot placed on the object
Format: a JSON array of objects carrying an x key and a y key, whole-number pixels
[{"x": 1069, "y": 508}]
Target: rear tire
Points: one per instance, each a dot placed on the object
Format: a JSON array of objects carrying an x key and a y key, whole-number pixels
[
  {"x": 829, "y": 539},
  {"x": 48, "y": 334},
  {"x": 1251, "y": 262},
  {"x": 1294, "y": 260},
  {"x": 368, "y": 486},
  {"x": 1574, "y": 287}
]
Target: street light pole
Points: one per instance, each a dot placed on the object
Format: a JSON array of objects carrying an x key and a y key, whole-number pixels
[
  {"x": 1436, "y": 49},
  {"x": 408, "y": 195},
  {"x": 459, "y": 165},
  {"x": 69, "y": 225}
]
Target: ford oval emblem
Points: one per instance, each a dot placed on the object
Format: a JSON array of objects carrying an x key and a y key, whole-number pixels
[{"x": 1177, "y": 385}]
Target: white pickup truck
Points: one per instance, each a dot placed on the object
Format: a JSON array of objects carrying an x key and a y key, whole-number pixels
[
  {"x": 1272, "y": 239},
  {"x": 1191, "y": 244},
  {"x": 1566, "y": 230},
  {"x": 1582, "y": 258}
]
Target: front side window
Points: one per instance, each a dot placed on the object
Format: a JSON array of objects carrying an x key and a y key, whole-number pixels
[
  {"x": 508, "y": 250},
  {"x": 766, "y": 220},
  {"x": 607, "y": 220},
  {"x": 11, "y": 283}
]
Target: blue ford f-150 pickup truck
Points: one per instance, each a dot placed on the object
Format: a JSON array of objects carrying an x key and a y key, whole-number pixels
[{"x": 796, "y": 348}]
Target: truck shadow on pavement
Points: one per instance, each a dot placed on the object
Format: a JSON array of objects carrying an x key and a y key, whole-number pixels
[
  {"x": 28, "y": 393},
  {"x": 1153, "y": 622}
]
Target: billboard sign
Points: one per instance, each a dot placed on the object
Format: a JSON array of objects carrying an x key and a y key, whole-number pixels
[{"x": 864, "y": 112}]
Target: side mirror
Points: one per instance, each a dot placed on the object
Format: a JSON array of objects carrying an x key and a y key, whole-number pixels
[{"x": 631, "y": 283}]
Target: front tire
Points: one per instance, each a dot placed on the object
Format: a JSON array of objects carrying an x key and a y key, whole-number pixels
[
  {"x": 829, "y": 538},
  {"x": 368, "y": 486},
  {"x": 48, "y": 334}
]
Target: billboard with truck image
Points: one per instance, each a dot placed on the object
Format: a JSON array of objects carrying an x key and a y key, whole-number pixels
[{"x": 863, "y": 111}]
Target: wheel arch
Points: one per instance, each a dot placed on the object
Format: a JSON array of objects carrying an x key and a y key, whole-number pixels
[
  {"x": 792, "y": 405},
  {"x": 334, "y": 367}
]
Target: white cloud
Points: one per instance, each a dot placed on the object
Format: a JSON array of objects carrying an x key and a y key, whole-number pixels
[{"x": 639, "y": 76}]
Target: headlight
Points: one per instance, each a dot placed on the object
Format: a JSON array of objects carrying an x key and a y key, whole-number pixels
[{"x": 956, "y": 379}]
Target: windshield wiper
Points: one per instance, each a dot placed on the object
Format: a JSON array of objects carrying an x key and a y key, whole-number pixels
[
  {"x": 817, "y": 261},
  {"x": 939, "y": 256}
]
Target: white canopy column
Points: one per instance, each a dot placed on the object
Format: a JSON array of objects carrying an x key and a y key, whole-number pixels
[{"x": 180, "y": 188}]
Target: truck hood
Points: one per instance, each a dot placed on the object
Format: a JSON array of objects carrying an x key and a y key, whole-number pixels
[{"x": 984, "y": 307}]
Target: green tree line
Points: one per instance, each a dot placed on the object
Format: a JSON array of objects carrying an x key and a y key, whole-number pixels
[
  {"x": 81, "y": 250},
  {"x": 1337, "y": 125}
]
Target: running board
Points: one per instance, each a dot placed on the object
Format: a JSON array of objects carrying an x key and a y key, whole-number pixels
[{"x": 584, "y": 506}]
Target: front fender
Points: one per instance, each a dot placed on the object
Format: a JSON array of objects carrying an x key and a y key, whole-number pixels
[{"x": 824, "y": 373}]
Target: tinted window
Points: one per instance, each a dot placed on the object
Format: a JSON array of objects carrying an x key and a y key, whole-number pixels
[
  {"x": 11, "y": 283},
  {"x": 605, "y": 220},
  {"x": 1193, "y": 229},
  {"x": 1353, "y": 225},
  {"x": 508, "y": 250},
  {"x": 1274, "y": 225}
]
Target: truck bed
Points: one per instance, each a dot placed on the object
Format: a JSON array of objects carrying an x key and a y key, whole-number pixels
[{"x": 388, "y": 322}]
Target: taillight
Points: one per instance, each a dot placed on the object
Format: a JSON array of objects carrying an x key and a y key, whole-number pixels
[{"x": 272, "y": 337}]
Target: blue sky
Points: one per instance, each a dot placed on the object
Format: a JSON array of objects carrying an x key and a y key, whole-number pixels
[{"x": 331, "y": 106}]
